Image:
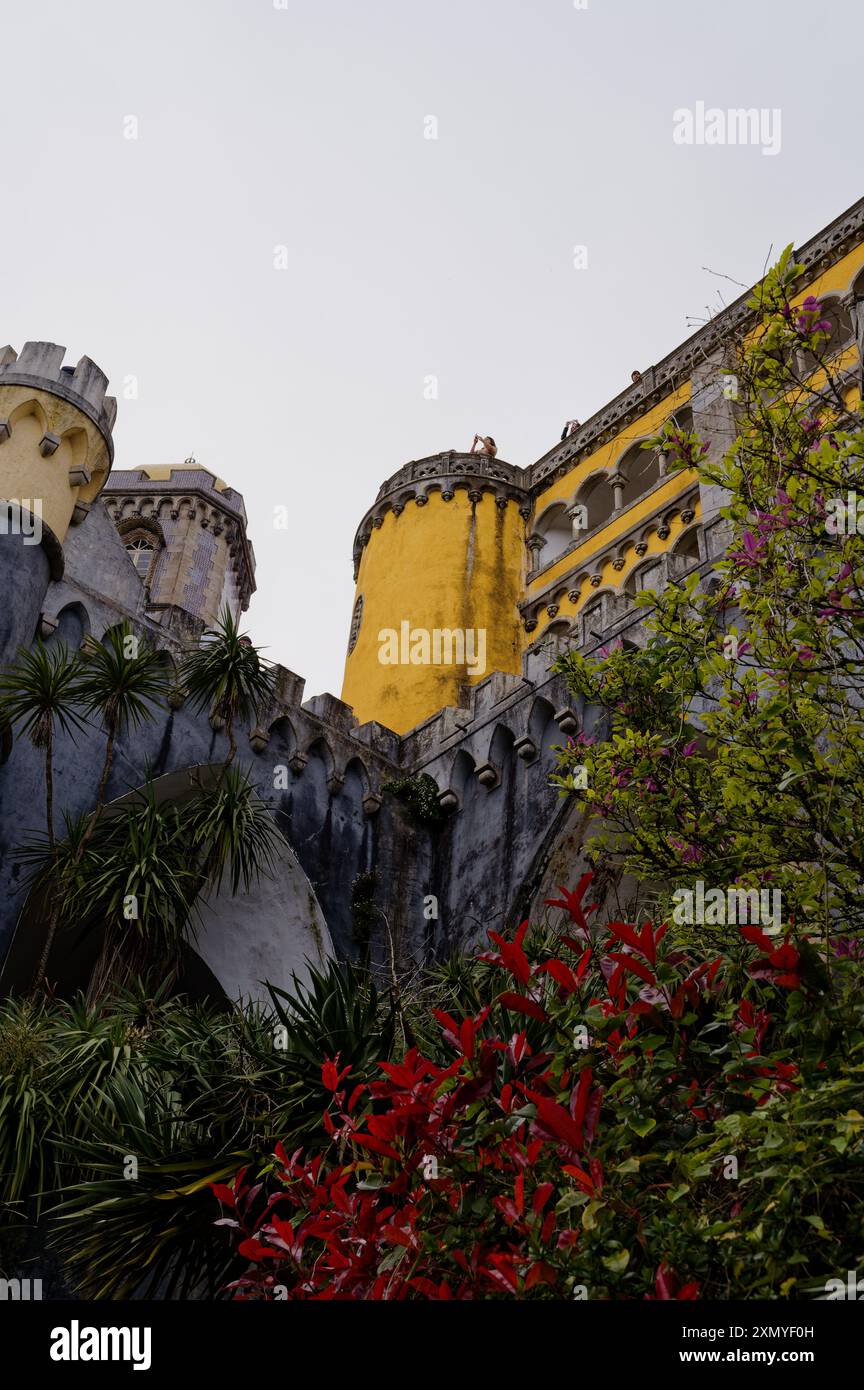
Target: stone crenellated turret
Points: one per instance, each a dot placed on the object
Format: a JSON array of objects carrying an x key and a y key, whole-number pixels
[
  {"x": 56, "y": 450},
  {"x": 440, "y": 552}
]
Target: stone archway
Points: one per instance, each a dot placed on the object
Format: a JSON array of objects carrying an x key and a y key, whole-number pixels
[{"x": 269, "y": 934}]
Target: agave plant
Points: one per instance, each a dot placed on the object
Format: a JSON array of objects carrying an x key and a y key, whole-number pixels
[{"x": 226, "y": 677}]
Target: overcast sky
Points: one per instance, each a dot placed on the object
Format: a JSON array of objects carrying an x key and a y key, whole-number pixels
[{"x": 406, "y": 257}]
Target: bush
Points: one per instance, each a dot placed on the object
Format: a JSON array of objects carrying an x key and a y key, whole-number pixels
[{"x": 622, "y": 1118}]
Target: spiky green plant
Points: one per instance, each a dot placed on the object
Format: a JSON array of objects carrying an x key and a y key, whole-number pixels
[
  {"x": 122, "y": 678},
  {"x": 226, "y": 676},
  {"x": 41, "y": 694}
]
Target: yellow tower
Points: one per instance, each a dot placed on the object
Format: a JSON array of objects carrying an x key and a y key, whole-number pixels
[
  {"x": 56, "y": 450},
  {"x": 439, "y": 569}
]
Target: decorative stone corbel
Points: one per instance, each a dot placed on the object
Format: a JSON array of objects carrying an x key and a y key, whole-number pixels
[
  {"x": 641, "y": 547},
  {"x": 529, "y": 624},
  {"x": 47, "y": 625},
  {"x": 487, "y": 775},
  {"x": 687, "y": 515},
  {"x": 79, "y": 475},
  {"x": 663, "y": 531},
  {"x": 596, "y": 580},
  {"x": 552, "y": 609},
  {"x": 335, "y": 783},
  {"x": 259, "y": 738},
  {"x": 448, "y": 800},
  {"x": 618, "y": 563},
  {"x": 49, "y": 444},
  {"x": 525, "y": 748},
  {"x": 5, "y": 431},
  {"x": 372, "y": 804},
  {"x": 297, "y": 762},
  {"x": 567, "y": 720},
  {"x": 80, "y": 513}
]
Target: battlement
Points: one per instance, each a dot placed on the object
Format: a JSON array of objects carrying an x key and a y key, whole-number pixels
[
  {"x": 443, "y": 473},
  {"x": 178, "y": 478},
  {"x": 41, "y": 365}
]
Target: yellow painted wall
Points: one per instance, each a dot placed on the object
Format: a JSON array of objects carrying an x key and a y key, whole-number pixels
[
  {"x": 25, "y": 474},
  {"x": 456, "y": 564},
  {"x": 415, "y": 566},
  {"x": 611, "y": 579},
  {"x": 607, "y": 456}
]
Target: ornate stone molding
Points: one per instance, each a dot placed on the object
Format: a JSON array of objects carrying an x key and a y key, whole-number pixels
[{"x": 659, "y": 381}]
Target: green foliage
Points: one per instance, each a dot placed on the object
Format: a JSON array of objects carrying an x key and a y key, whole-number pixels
[
  {"x": 420, "y": 795},
  {"x": 735, "y": 749},
  {"x": 226, "y": 677},
  {"x": 189, "y": 1092}
]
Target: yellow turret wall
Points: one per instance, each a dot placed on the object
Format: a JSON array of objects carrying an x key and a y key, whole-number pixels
[
  {"x": 56, "y": 480},
  {"x": 507, "y": 553},
  {"x": 453, "y": 566}
]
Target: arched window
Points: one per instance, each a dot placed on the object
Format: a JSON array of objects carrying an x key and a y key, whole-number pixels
[
  {"x": 556, "y": 530},
  {"x": 143, "y": 541},
  {"x": 356, "y": 620},
  {"x": 141, "y": 551}
]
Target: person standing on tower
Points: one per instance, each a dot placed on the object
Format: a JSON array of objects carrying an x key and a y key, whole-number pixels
[{"x": 487, "y": 445}]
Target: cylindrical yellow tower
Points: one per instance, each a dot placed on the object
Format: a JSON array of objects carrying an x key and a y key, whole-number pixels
[
  {"x": 55, "y": 454},
  {"x": 439, "y": 567}
]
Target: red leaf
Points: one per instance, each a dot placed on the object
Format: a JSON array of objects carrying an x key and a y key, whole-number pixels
[
  {"x": 252, "y": 1249},
  {"x": 540, "y": 1273},
  {"x": 581, "y": 1177},
  {"x": 541, "y": 1196},
  {"x": 223, "y": 1193},
  {"x": 561, "y": 974},
  {"x": 519, "y": 1193},
  {"x": 758, "y": 938},
  {"x": 520, "y": 1005},
  {"x": 555, "y": 1118},
  {"x": 635, "y": 965},
  {"x": 376, "y": 1145},
  {"x": 625, "y": 933}
]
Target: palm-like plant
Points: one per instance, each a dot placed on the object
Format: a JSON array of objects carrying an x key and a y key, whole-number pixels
[
  {"x": 121, "y": 679},
  {"x": 138, "y": 883},
  {"x": 40, "y": 695},
  {"x": 226, "y": 677},
  {"x": 232, "y": 831}
]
